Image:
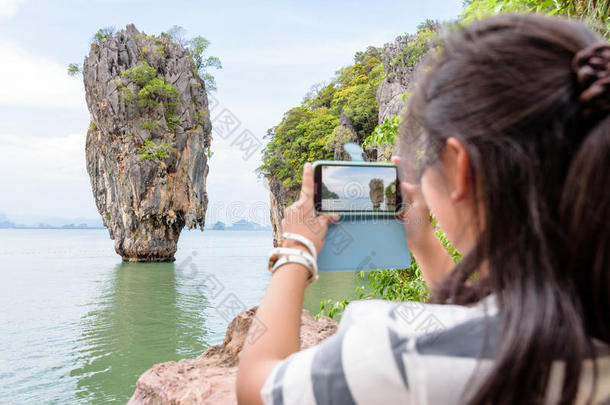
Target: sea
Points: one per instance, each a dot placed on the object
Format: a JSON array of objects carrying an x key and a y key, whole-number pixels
[{"x": 79, "y": 326}]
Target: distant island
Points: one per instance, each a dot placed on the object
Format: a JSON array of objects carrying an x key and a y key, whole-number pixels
[
  {"x": 241, "y": 225},
  {"x": 327, "y": 194},
  {"x": 55, "y": 223},
  {"x": 5, "y": 223},
  {"x": 219, "y": 226},
  {"x": 10, "y": 225}
]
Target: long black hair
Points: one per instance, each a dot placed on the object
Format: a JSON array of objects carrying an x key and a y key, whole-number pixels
[{"x": 507, "y": 87}]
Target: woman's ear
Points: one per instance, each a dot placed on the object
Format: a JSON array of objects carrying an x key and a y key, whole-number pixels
[{"x": 457, "y": 165}]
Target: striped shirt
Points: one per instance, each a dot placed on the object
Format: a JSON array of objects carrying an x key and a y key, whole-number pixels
[{"x": 407, "y": 353}]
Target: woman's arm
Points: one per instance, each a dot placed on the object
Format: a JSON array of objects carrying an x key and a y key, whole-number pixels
[{"x": 280, "y": 309}]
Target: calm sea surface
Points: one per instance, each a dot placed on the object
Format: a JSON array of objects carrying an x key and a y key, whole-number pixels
[{"x": 77, "y": 325}]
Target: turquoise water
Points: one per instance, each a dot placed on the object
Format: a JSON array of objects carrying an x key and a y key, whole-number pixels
[{"x": 79, "y": 326}]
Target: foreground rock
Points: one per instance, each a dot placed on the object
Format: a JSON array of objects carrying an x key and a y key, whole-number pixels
[
  {"x": 210, "y": 378},
  {"x": 147, "y": 142}
]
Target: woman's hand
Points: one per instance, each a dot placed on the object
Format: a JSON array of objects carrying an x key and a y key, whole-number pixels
[
  {"x": 416, "y": 215},
  {"x": 433, "y": 259},
  {"x": 301, "y": 218}
]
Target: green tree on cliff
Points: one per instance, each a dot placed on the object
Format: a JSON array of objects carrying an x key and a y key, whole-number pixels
[{"x": 198, "y": 47}]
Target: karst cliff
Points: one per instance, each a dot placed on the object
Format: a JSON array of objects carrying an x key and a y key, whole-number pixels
[{"x": 147, "y": 141}]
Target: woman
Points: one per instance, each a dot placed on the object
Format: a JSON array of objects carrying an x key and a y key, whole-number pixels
[{"x": 513, "y": 117}]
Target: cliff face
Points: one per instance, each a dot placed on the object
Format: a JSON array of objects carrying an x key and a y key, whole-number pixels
[
  {"x": 277, "y": 203},
  {"x": 400, "y": 60},
  {"x": 146, "y": 145}
]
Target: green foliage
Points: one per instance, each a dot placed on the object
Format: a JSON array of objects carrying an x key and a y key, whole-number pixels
[
  {"x": 331, "y": 308},
  {"x": 355, "y": 91},
  {"x": 150, "y": 92},
  {"x": 101, "y": 34},
  {"x": 152, "y": 151},
  {"x": 417, "y": 46},
  {"x": 177, "y": 34},
  {"x": 397, "y": 285},
  {"x": 596, "y": 11},
  {"x": 385, "y": 133},
  {"x": 151, "y": 126},
  {"x": 172, "y": 120},
  {"x": 198, "y": 120},
  {"x": 141, "y": 74},
  {"x": 156, "y": 92},
  {"x": 197, "y": 47},
  {"x": 209, "y": 152},
  {"x": 74, "y": 69},
  {"x": 299, "y": 138}
]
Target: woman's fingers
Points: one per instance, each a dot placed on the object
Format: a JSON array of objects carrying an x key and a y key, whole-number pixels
[
  {"x": 306, "y": 196},
  {"x": 409, "y": 191},
  {"x": 413, "y": 200},
  {"x": 328, "y": 219}
]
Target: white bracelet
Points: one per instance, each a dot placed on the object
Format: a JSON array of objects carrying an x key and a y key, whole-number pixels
[
  {"x": 305, "y": 241},
  {"x": 313, "y": 273},
  {"x": 276, "y": 252}
]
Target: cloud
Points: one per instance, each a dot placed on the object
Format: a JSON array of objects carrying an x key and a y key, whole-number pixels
[
  {"x": 335, "y": 53},
  {"x": 43, "y": 159},
  {"x": 30, "y": 80},
  {"x": 45, "y": 176},
  {"x": 8, "y": 8}
]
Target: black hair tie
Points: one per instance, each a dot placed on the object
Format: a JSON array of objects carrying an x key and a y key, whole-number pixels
[{"x": 592, "y": 68}]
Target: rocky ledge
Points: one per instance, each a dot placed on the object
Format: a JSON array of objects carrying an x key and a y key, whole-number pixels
[{"x": 210, "y": 378}]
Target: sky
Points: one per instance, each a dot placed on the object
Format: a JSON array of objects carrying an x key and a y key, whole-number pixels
[
  {"x": 272, "y": 53},
  {"x": 352, "y": 182}
]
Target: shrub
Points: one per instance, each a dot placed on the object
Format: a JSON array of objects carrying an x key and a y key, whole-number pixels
[
  {"x": 74, "y": 69},
  {"x": 141, "y": 74},
  {"x": 151, "y": 126},
  {"x": 385, "y": 133},
  {"x": 197, "y": 48},
  {"x": 415, "y": 48},
  {"x": 152, "y": 90},
  {"x": 102, "y": 34},
  {"x": 172, "y": 120},
  {"x": 155, "y": 92},
  {"x": 152, "y": 151}
]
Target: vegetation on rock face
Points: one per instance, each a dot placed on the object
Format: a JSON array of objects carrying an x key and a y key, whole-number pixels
[
  {"x": 414, "y": 51},
  {"x": 152, "y": 151},
  {"x": 595, "y": 11},
  {"x": 198, "y": 47},
  {"x": 102, "y": 34},
  {"x": 146, "y": 91}
]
